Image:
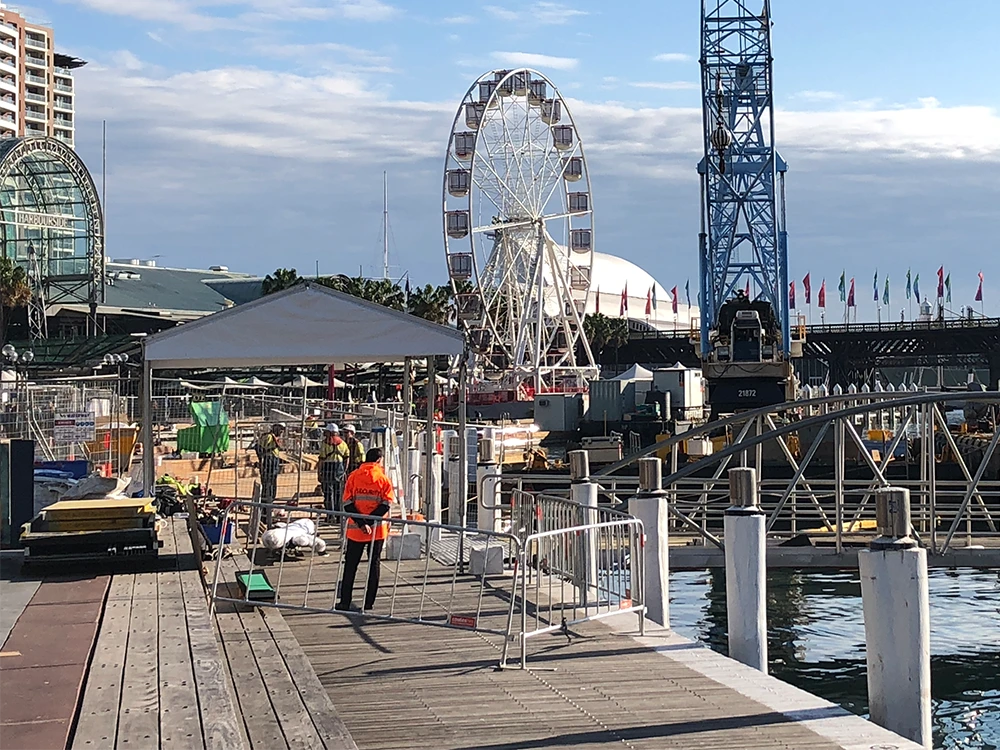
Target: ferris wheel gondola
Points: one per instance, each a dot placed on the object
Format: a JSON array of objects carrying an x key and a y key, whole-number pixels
[{"x": 519, "y": 231}]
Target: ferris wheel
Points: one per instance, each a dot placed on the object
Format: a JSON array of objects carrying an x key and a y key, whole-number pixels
[{"x": 518, "y": 231}]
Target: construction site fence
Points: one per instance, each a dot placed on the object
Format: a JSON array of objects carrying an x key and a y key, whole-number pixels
[
  {"x": 70, "y": 419},
  {"x": 445, "y": 576}
]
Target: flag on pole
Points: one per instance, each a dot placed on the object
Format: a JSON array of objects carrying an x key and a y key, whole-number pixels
[
  {"x": 941, "y": 282},
  {"x": 791, "y": 296},
  {"x": 875, "y": 284},
  {"x": 979, "y": 291},
  {"x": 649, "y": 302},
  {"x": 916, "y": 287},
  {"x": 687, "y": 292},
  {"x": 822, "y": 294},
  {"x": 597, "y": 302},
  {"x": 623, "y": 307},
  {"x": 654, "y": 296},
  {"x": 673, "y": 293},
  {"x": 909, "y": 286},
  {"x": 885, "y": 294},
  {"x": 947, "y": 285},
  {"x": 747, "y": 290},
  {"x": 850, "y": 295},
  {"x": 807, "y": 287},
  {"x": 843, "y": 288}
]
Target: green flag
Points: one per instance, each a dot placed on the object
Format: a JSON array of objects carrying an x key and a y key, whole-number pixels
[
  {"x": 843, "y": 288},
  {"x": 909, "y": 286},
  {"x": 947, "y": 286}
]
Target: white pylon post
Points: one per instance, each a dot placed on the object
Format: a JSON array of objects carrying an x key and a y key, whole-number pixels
[
  {"x": 650, "y": 506},
  {"x": 488, "y": 481},
  {"x": 894, "y": 597},
  {"x": 746, "y": 571},
  {"x": 583, "y": 491},
  {"x": 413, "y": 479}
]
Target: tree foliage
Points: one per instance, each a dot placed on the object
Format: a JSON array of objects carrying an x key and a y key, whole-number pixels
[
  {"x": 15, "y": 291},
  {"x": 281, "y": 279},
  {"x": 603, "y": 332}
]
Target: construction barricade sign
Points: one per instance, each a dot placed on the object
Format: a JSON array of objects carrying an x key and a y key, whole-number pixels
[
  {"x": 74, "y": 427},
  {"x": 462, "y": 621}
]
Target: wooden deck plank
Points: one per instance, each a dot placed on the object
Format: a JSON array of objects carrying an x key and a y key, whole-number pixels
[
  {"x": 97, "y": 722},
  {"x": 220, "y": 725},
  {"x": 180, "y": 722},
  {"x": 139, "y": 717}
]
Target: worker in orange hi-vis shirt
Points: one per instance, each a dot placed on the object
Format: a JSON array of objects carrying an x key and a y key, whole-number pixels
[{"x": 368, "y": 493}]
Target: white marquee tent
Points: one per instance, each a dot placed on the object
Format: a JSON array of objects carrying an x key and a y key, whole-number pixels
[{"x": 304, "y": 325}]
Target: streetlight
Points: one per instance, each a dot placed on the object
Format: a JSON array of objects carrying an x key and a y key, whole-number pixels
[{"x": 19, "y": 361}]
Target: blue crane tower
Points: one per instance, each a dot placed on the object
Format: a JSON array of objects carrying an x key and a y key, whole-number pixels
[{"x": 745, "y": 333}]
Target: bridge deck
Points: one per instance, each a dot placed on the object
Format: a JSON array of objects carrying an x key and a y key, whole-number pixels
[{"x": 403, "y": 685}]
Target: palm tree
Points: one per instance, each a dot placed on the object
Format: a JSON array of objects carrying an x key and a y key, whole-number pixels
[
  {"x": 380, "y": 291},
  {"x": 283, "y": 278},
  {"x": 15, "y": 291},
  {"x": 603, "y": 332},
  {"x": 433, "y": 303}
]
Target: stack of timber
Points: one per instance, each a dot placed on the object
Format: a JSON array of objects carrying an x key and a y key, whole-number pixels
[{"x": 91, "y": 529}]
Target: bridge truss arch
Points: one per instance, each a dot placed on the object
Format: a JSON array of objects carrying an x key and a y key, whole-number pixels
[
  {"x": 52, "y": 224},
  {"x": 828, "y": 455}
]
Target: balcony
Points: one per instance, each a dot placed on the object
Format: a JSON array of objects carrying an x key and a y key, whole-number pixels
[
  {"x": 8, "y": 86},
  {"x": 8, "y": 105},
  {"x": 41, "y": 98},
  {"x": 60, "y": 86},
  {"x": 63, "y": 103},
  {"x": 65, "y": 136},
  {"x": 33, "y": 114},
  {"x": 8, "y": 66},
  {"x": 30, "y": 129},
  {"x": 8, "y": 44},
  {"x": 37, "y": 80},
  {"x": 37, "y": 43},
  {"x": 8, "y": 117},
  {"x": 36, "y": 61}
]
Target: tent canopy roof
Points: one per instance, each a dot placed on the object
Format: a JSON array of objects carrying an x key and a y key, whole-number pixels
[
  {"x": 635, "y": 372},
  {"x": 304, "y": 325}
]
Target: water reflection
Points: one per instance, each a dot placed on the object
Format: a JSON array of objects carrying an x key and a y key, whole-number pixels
[{"x": 816, "y": 641}]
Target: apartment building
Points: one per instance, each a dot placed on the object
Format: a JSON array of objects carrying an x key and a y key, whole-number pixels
[{"x": 36, "y": 82}]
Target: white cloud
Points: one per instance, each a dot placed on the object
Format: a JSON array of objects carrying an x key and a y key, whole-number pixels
[
  {"x": 458, "y": 19},
  {"x": 665, "y": 85},
  {"x": 670, "y": 57},
  {"x": 155, "y": 37},
  {"x": 532, "y": 60},
  {"x": 542, "y": 13},
  {"x": 818, "y": 96}
]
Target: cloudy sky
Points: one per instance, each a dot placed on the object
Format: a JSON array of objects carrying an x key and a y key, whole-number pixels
[{"x": 254, "y": 133}]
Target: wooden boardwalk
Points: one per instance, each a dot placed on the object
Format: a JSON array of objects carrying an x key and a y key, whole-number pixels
[{"x": 399, "y": 685}]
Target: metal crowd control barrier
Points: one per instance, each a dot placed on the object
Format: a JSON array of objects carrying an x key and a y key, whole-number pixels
[
  {"x": 578, "y": 574},
  {"x": 444, "y": 596}
]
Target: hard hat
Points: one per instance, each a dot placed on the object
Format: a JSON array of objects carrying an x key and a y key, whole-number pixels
[
  {"x": 349, "y": 428},
  {"x": 331, "y": 427},
  {"x": 278, "y": 426}
]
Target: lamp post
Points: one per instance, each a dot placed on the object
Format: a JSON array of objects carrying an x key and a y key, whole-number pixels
[
  {"x": 118, "y": 362},
  {"x": 20, "y": 362}
]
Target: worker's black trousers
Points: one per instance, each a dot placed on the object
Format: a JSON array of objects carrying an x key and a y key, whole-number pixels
[
  {"x": 333, "y": 493},
  {"x": 268, "y": 487},
  {"x": 351, "y": 561}
]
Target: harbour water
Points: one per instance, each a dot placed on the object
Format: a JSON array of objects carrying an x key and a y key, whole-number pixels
[{"x": 817, "y": 642}]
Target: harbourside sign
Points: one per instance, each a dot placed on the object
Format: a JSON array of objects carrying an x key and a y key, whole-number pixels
[
  {"x": 74, "y": 427},
  {"x": 47, "y": 221}
]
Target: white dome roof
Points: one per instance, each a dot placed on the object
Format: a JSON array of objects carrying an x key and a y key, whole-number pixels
[{"x": 610, "y": 274}]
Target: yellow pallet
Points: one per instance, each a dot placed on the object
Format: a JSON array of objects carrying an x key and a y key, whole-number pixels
[
  {"x": 88, "y": 510},
  {"x": 98, "y": 524}
]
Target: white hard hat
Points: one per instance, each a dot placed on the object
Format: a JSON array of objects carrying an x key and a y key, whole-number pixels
[
  {"x": 331, "y": 427},
  {"x": 349, "y": 427}
]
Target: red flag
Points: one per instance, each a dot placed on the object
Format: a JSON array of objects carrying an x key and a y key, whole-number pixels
[
  {"x": 791, "y": 296},
  {"x": 649, "y": 301},
  {"x": 941, "y": 282},
  {"x": 623, "y": 308},
  {"x": 850, "y": 295},
  {"x": 822, "y": 294},
  {"x": 673, "y": 293},
  {"x": 979, "y": 291},
  {"x": 747, "y": 290},
  {"x": 807, "y": 286},
  {"x": 597, "y": 302}
]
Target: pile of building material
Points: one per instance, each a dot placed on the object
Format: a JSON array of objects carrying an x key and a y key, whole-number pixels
[{"x": 91, "y": 529}]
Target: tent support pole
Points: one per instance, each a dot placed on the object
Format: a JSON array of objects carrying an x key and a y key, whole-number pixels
[
  {"x": 148, "y": 460},
  {"x": 430, "y": 442},
  {"x": 405, "y": 457},
  {"x": 460, "y": 494}
]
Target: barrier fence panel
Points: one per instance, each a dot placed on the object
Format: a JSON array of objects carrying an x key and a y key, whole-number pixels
[
  {"x": 415, "y": 586},
  {"x": 577, "y": 574}
]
